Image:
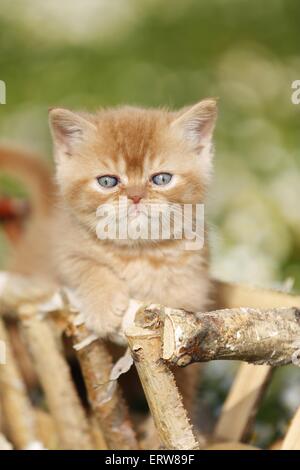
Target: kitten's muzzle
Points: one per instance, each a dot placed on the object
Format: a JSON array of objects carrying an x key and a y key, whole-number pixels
[{"x": 136, "y": 193}]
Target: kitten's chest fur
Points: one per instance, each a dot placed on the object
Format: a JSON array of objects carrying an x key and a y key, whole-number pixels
[
  {"x": 168, "y": 275},
  {"x": 171, "y": 277}
]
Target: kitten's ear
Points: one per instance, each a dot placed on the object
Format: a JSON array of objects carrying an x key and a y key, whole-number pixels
[
  {"x": 197, "y": 123},
  {"x": 68, "y": 130}
]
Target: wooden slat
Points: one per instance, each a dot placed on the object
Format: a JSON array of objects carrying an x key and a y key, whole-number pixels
[
  {"x": 292, "y": 438},
  {"x": 229, "y": 295},
  {"x": 15, "y": 404},
  {"x": 242, "y": 402},
  {"x": 250, "y": 384},
  {"x": 54, "y": 374}
]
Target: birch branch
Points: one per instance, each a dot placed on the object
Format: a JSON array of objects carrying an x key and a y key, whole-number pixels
[
  {"x": 96, "y": 363},
  {"x": 104, "y": 394},
  {"x": 160, "y": 389},
  {"x": 292, "y": 438},
  {"x": 55, "y": 377},
  {"x": 249, "y": 387},
  {"x": 239, "y": 410},
  {"x": 230, "y": 295},
  {"x": 269, "y": 336},
  {"x": 16, "y": 406}
]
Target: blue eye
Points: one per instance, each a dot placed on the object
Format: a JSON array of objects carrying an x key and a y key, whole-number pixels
[
  {"x": 107, "y": 181},
  {"x": 161, "y": 179}
]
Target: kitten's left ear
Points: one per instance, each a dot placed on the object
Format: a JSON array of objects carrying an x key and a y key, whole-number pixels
[
  {"x": 197, "y": 123},
  {"x": 68, "y": 130}
]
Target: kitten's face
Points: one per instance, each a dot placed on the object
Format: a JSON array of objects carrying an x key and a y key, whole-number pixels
[{"x": 130, "y": 161}]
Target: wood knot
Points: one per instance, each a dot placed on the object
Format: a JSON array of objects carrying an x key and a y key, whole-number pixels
[
  {"x": 297, "y": 314},
  {"x": 184, "y": 360}
]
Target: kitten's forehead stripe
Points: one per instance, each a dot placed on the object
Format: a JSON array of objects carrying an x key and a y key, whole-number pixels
[{"x": 133, "y": 136}]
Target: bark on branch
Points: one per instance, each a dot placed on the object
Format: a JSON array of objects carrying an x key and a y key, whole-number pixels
[
  {"x": 55, "y": 377},
  {"x": 162, "y": 394},
  {"x": 15, "y": 404},
  {"x": 105, "y": 397},
  {"x": 270, "y": 336}
]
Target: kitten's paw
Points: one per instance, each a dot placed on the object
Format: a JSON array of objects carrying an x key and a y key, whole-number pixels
[{"x": 106, "y": 320}]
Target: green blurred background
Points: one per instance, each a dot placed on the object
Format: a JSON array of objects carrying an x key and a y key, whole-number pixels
[{"x": 92, "y": 53}]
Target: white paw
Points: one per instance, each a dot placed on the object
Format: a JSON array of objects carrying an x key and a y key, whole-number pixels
[{"x": 106, "y": 319}]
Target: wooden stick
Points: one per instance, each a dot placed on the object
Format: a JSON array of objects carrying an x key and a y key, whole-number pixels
[
  {"x": 271, "y": 336},
  {"x": 46, "y": 429},
  {"x": 16, "y": 407},
  {"x": 55, "y": 377},
  {"x": 105, "y": 396},
  {"x": 292, "y": 438},
  {"x": 234, "y": 296},
  {"x": 259, "y": 337},
  {"x": 96, "y": 364},
  {"x": 22, "y": 355},
  {"x": 160, "y": 389},
  {"x": 97, "y": 434},
  {"x": 4, "y": 444},
  {"x": 229, "y": 295},
  {"x": 244, "y": 334},
  {"x": 242, "y": 402}
]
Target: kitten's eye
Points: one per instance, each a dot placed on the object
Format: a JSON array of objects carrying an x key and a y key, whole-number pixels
[
  {"x": 161, "y": 179},
  {"x": 107, "y": 181}
]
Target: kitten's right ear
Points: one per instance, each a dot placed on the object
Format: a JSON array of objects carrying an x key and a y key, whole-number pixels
[
  {"x": 68, "y": 130},
  {"x": 197, "y": 123}
]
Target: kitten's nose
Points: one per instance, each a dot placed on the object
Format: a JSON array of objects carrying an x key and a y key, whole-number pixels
[
  {"x": 135, "y": 198},
  {"x": 135, "y": 193}
]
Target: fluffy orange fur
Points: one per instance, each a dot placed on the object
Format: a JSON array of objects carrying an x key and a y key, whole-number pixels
[
  {"x": 132, "y": 144},
  {"x": 62, "y": 246}
]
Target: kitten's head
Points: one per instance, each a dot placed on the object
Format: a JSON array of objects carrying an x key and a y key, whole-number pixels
[{"x": 132, "y": 160}]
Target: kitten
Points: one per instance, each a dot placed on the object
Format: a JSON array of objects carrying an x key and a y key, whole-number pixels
[{"x": 147, "y": 157}]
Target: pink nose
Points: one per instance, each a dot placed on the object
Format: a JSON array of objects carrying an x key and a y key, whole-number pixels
[{"x": 136, "y": 199}]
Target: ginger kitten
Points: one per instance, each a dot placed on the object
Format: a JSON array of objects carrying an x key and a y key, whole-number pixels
[{"x": 146, "y": 157}]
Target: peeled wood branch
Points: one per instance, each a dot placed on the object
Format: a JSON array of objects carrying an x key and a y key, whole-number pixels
[
  {"x": 15, "y": 404},
  {"x": 261, "y": 337},
  {"x": 19, "y": 293},
  {"x": 239, "y": 410},
  {"x": 238, "y": 413},
  {"x": 292, "y": 438},
  {"x": 269, "y": 336},
  {"x": 55, "y": 377},
  {"x": 105, "y": 396},
  {"x": 162, "y": 394},
  {"x": 230, "y": 295}
]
